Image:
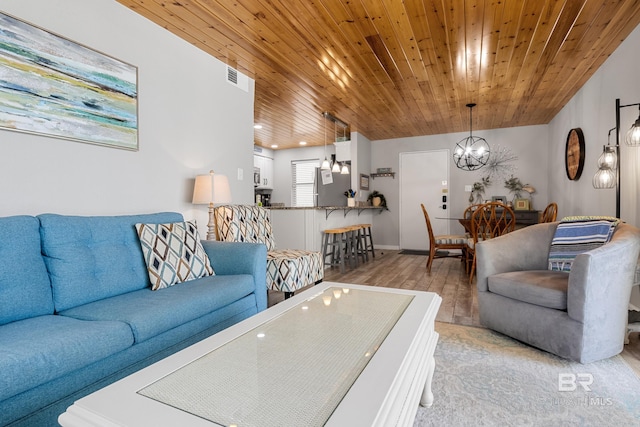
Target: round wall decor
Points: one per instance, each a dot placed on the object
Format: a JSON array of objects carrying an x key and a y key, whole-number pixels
[{"x": 574, "y": 154}]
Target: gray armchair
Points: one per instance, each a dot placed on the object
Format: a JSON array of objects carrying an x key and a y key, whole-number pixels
[{"x": 579, "y": 315}]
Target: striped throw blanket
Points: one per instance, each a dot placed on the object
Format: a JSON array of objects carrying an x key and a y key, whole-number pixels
[{"x": 576, "y": 235}]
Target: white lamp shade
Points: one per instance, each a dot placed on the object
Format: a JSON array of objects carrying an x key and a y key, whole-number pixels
[
  {"x": 203, "y": 190},
  {"x": 211, "y": 188},
  {"x": 221, "y": 190}
]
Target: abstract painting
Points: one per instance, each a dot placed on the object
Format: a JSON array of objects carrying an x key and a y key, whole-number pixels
[{"x": 52, "y": 86}]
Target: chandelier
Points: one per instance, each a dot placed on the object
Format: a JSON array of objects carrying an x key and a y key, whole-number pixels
[{"x": 472, "y": 152}]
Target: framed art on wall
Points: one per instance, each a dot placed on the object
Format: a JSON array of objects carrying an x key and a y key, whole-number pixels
[
  {"x": 364, "y": 182},
  {"x": 56, "y": 87},
  {"x": 502, "y": 199},
  {"x": 521, "y": 205}
]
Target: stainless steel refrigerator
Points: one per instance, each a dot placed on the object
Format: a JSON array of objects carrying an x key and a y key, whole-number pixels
[{"x": 332, "y": 194}]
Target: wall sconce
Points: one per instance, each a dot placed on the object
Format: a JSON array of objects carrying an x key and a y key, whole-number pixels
[
  {"x": 472, "y": 152},
  {"x": 608, "y": 174},
  {"x": 210, "y": 189}
]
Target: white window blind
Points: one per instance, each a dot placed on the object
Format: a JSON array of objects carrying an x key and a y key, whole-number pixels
[{"x": 302, "y": 174}]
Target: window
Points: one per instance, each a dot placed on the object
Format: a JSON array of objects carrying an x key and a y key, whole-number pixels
[{"x": 302, "y": 178}]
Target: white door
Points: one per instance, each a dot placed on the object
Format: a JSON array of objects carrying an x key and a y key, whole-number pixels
[{"x": 424, "y": 178}]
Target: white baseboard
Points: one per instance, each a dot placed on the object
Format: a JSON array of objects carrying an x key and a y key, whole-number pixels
[{"x": 387, "y": 247}]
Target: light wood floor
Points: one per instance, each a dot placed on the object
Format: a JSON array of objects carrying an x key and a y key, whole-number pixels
[{"x": 447, "y": 278}]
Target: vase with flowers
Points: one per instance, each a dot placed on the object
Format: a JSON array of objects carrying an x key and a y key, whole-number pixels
[{"x": 515, "y": 186}]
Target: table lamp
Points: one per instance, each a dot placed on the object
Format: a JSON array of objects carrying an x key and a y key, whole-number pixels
[{"x": 211, "y": 189}]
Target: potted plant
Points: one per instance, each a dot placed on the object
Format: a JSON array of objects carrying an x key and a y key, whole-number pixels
[
  {"x": 478, "y": 190},
  {"x": 377, "y": 199},
  {"x": 515, "y": 186}
]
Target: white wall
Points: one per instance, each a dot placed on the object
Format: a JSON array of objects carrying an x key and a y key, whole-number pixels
[
  {"x": 593, "y": 110},
  {"x": 528, "y": 143},
  {"x": 360, "y": 163},
  {"x": 190, "y": 121}
]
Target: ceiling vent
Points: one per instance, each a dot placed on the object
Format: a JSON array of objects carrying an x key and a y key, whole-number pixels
[{"x": 237, "y": 79}]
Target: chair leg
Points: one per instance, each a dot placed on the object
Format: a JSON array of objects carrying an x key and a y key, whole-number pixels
[
  {"x": 373, "y": 251},
  {"x": 473, "y": 268},
  {"x": 432, "y": 254}
]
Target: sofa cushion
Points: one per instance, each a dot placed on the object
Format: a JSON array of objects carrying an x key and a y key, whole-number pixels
[
  {"x": 25, "y": 290},
  {"x": 539, "y": 287},
  {"x": 36, "y": 350},
  {"x": 173, "y": 253},
  {"x": 149, "y": 313},
  {"x": 92, "y": 258}
]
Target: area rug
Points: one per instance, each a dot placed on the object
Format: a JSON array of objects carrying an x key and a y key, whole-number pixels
[{"x": 483, "y": 378}]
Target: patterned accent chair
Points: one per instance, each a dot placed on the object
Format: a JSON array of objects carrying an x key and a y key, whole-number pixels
[{"x": 287, "y": 269}]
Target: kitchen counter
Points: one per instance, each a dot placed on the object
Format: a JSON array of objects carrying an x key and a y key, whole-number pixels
[
  {"x": 302, "y": 227},
  {"x": 329, "y": 209}
]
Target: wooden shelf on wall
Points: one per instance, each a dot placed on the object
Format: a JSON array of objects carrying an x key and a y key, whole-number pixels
[{"x": 383, "y": 175}]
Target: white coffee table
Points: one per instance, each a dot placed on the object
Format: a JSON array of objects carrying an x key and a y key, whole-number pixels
[{"x": 333, "y": 355}]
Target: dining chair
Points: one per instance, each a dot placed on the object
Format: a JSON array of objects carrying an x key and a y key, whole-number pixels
[
  {"x": 465, "y": 221},
  {"x": 488, "y": 221},
  {"x": 550, "y": 213},
  {"x": 444, "y": 241}
]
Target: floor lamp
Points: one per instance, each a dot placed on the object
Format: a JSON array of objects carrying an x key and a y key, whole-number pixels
[
  {"x": 211, "y": 189},
  {"x": 608, "y": 174}
]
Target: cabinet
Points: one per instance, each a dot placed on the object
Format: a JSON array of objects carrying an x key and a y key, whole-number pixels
[
  {"x": 265, "y": 166},
  {"x": 526, "y": 217}
]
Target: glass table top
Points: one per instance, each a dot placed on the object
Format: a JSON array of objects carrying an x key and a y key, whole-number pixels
[{"x": 291, "y": 370}]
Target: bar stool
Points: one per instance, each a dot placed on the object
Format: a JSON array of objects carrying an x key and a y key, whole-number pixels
[
  {"x": 367, "y": 246},
  {"x": 354, "y": 248},
  {"x": 337, "y": 239}
]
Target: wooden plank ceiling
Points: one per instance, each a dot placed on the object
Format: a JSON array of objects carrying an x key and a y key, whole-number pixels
[{"x": 393, "y": 68}]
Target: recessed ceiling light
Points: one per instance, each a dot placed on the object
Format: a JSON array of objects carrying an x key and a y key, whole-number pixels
[
  {"x": 303, "y": 142},
  {"x": 257, "y": 126},
  {"x": 274, "y": 146}
]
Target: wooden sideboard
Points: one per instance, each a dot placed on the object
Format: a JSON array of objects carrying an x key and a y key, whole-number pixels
[{"x": 526, "y": 217}]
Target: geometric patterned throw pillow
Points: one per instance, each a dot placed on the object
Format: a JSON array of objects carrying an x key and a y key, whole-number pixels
[{"x": 173, "y": 253}]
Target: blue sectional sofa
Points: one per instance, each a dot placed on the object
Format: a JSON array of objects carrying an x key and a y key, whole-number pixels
[{"x": 77, "y": 311}]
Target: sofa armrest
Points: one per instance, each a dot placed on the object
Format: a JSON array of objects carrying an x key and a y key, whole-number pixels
[
  {"x": 241, "y": 258},
  {"x": 521, "y": 250},
  {"x": 600, "y": 280}
]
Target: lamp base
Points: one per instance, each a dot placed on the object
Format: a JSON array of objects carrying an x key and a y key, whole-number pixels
[{"x": 211, "y": 232}]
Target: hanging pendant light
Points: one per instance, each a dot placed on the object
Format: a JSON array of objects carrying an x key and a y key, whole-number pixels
[
  {"x": 345, "y": 169},
  {"x": 473, "y": 152},
  {"x": 336, "y": 165},
  {"x": 325, "y": 163}
]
